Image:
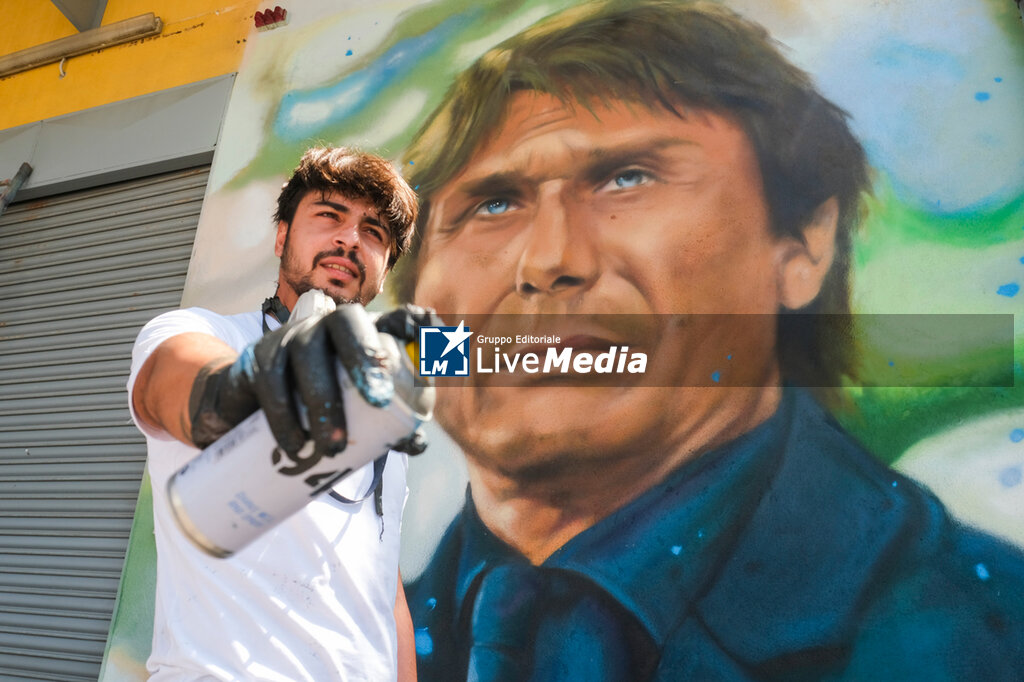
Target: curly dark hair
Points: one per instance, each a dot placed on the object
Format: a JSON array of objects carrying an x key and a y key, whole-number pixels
[{"x": 354, "y": 174}]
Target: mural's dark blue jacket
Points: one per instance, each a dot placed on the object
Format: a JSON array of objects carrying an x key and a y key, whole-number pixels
[{"x": 788, "y": 554}]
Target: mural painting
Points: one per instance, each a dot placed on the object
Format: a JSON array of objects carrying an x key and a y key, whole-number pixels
[{"x": 732, "y": 163}]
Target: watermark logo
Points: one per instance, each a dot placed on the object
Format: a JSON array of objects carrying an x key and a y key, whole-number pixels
[
  {"x": 444, "y": 351},
  {"x": 712, "y": 349}
]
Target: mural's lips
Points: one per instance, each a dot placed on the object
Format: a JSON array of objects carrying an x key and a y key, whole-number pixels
[
  {"x": 588, "y": 343},
  {"x": 340, "y": 268}
]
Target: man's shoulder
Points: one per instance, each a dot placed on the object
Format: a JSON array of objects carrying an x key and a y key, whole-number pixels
[
  {"x": 196, "y": 316},
  {"x": 841, "y": 547},
  {"x": 241, "y": 328}
]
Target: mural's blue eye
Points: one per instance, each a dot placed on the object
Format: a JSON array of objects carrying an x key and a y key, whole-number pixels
[
  {"x": 495, "y": 206},
  {"x": 630, "y": 178}
]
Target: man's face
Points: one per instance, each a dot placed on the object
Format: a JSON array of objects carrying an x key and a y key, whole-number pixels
[
  {"x": 334, "y": 243},
  {"x": 612, "y": 210}
]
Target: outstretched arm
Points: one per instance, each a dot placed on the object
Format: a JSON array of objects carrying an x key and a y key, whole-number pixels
[
  {"x": 160, "y": 396},
  {"x": 196, "y": 388}
]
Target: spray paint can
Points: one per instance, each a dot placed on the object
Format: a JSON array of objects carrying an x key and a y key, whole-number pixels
[{"x": 243, "y": 485}]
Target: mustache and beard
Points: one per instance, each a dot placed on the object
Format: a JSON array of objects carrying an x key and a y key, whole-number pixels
[{"x": 301, "y": 280}]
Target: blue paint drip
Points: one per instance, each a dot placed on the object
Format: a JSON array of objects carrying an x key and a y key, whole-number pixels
[
  {"x": 997, "y": 79},
  {"x": 676, "y": 549},
  {"x": 424, "y": 642},
  {"x": 982, "y": 96},
  {"x": 1022, "y": 259},
  {"x": 348, "y": 53},
  {"x": 729, "y": 357},
  {"x": 1009, "y": 290},
  {"x": 716, "y": 376},
  {"x": 895, "y": 484},
  {"x": 431, "y": 603},
  {"x": 416, "y": 187},
  {"x": 412, "y": 163},
  {"x": 892, "y": 364},
  {"x": 700, "y": 533},
  {"x": 1017, "y": 435},
  {"x": 1011, "y": 477},
  {"x": 982, "y": 571}
]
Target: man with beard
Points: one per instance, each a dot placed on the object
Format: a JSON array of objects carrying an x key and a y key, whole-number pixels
[
  {"x": 655, "y": 159},
  {"x": 318, "y": 597}
]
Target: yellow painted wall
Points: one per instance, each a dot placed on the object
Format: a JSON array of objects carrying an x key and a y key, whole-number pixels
[{"x": 200, "y": 39}]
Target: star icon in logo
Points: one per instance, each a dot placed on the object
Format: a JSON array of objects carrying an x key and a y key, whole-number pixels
[{"x": 456, "y": 337}]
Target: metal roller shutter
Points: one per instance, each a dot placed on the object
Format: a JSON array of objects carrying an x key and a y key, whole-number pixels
[{"x": 80, "y": 273}]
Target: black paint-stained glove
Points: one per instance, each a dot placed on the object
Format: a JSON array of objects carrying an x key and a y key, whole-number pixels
[
  {"x": 404, "y": 324},
  {"x": 294, "y": 363},
  {"x": 297, "y": 363}
]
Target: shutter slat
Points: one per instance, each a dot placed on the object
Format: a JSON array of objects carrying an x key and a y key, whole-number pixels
[
  {"x": 64, "y": 316},
  {"x": 128, "y": 276},
  {"x": 73, "y": 270}
]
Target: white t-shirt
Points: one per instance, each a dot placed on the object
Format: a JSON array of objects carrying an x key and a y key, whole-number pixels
[{"x": 312, "y": 599}]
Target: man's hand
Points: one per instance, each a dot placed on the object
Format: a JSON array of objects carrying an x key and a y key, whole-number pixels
[
  {"x": 293, "y": 369},
  {"x": 404, "y": 324}
]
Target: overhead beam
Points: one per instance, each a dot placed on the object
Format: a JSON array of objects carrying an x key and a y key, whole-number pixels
[
  {"x": 94, "y": 39},
  {"x": 83, "y": 14}
]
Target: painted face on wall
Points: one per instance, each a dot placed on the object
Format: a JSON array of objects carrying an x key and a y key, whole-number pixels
[
  {"x": 614, "y": 209},
  {"x": 336, "y": 244}
]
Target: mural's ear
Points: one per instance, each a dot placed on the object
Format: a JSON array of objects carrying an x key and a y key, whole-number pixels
[
  {"x": 804, "y": 264},
  {"x": 282, "y": 235}
]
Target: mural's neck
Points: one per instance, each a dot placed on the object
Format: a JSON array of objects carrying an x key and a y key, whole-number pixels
[{"x": 536, "y": 515}]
